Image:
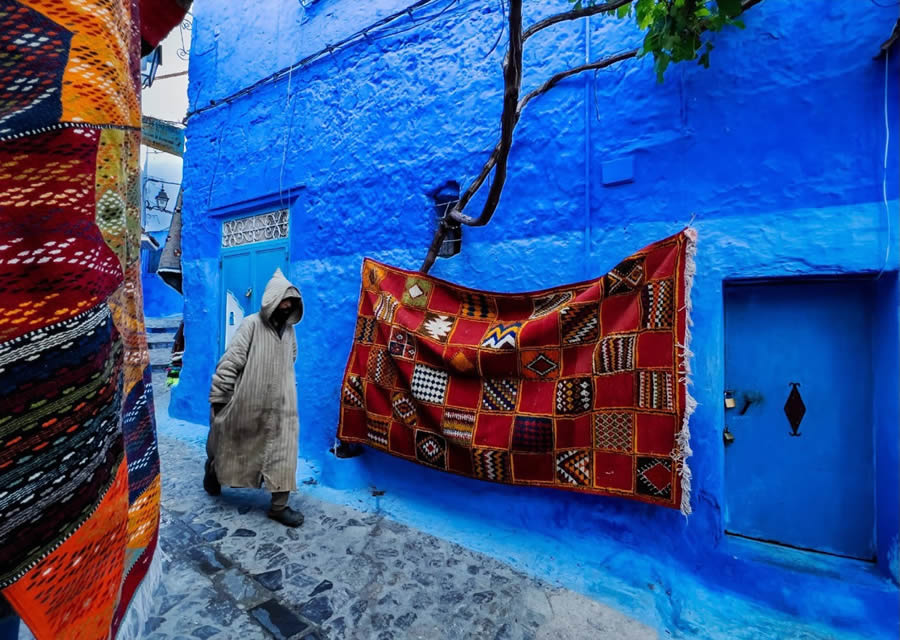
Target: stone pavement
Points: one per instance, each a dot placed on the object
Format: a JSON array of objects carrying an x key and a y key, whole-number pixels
[{"x": 232, "y": 573}]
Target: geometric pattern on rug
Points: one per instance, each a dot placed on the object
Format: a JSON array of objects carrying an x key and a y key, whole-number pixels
[
  {"x": 574, "y": 396},
  {"x": 499, "y": 395},
  {"x": 654, "y": 476},
  {"x": 655, "y": 390},
  {"x": 429, "y": 384},
  {"x": 532, "y": 433},
  {"x": 545, "y": 385},
  {"x": 431, "y": 449},
  {"x": 614, "y": 430},
  {"x": 574, "y": 467},
  {"x": 625, "y": 277},
  {"x": 615, "y": 354},
  {"x": 491, "y": 464},
  {"x": 580, "y": 324},
  {"x": 658, "y": 304}
]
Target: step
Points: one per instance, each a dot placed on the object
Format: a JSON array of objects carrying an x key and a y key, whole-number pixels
[{"x": 167, "y": 323}]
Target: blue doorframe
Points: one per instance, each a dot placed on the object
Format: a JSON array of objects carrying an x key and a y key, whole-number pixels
[
  {"x": 807, "y": 350},
  {"x": 243, "y": 273},
  {"x": 247, "y": 268}
]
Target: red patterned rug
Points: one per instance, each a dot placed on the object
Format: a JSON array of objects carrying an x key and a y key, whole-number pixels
[{"x": 580, "y": 387}]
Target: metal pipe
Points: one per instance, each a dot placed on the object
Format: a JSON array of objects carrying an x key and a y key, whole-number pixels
[{"x": 587, "y": 149}]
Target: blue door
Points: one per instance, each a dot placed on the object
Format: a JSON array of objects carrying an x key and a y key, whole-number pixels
[
  {"x": 245, "y": 272},
  {"x": 798, "y": 370}
]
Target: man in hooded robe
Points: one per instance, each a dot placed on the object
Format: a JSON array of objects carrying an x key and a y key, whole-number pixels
[{"x": 254, "y": 427}]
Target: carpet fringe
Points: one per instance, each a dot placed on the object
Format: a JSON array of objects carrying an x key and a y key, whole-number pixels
[
  {"x": 143, "y": 603},
  {"x": 683, "y": 439}
]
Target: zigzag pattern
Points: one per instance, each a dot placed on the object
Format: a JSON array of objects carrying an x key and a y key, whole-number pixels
[
  {"x": 574, "y": 467},
  {"x": 491, "y": 464},
  {"x": 502, "y": 336}
]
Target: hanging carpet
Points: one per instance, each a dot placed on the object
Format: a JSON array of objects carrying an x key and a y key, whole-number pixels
[
  {"x": 580, "y": 387},
  {"x": 79, "y": 469}
]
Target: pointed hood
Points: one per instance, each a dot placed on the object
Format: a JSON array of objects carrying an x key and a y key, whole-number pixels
[{"x": 277, "y": 290}]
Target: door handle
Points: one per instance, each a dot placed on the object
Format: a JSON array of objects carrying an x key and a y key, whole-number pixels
[
  {"x": 794, "y": 409},
  {"x": 750, "y": 397}
]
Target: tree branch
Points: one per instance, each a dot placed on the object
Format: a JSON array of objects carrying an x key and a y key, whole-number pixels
[
  {"x": 584, "y": 12},
  {"x": 512, "y": 111},
  {"x": 562, "y": 75}
]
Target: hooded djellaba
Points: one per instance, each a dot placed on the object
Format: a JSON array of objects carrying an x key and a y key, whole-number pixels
[{"x": 254, "y": 426}]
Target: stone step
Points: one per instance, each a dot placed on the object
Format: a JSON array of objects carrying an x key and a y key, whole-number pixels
[
  {"x": 159, "y": 325},
  {"x": 160, "y": 356}
]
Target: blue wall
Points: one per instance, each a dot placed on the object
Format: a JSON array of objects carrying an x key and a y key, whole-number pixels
[{"x": 777, "y": 149}]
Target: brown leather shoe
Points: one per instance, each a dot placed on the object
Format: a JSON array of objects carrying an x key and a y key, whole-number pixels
[{"x": 287, "y": 516}]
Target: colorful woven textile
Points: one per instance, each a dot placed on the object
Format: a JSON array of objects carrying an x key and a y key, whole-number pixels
[
  {"x": 79, "y": 471},
  {"x": 581, "y": 387}
]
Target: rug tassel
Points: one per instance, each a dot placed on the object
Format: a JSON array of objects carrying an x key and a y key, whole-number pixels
[
  {"x": 143, "y": 603},
  {"x": 683, "y": 439}
]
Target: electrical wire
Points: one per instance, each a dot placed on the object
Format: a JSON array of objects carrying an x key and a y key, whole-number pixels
[
  {"x": 887, "y": 144},
  {"x": 363, "y": 34}
]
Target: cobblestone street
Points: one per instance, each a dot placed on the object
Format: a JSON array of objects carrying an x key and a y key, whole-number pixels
[{"x": 230, "y": 572}]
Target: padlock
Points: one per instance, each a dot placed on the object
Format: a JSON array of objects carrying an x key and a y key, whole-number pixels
[{"x": 729, "y": 400}]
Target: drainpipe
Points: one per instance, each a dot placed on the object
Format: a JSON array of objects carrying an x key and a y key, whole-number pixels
[{"x": 587, "y": 149}]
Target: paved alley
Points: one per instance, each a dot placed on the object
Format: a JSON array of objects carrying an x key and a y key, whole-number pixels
[{"x": 230, "y": 572}]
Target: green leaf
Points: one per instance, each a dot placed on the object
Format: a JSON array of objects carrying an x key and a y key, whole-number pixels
[
  {"x": 623, "y": 11},
  {"x": 730, "y": 8},
  {"x": 577, "y": 6}
]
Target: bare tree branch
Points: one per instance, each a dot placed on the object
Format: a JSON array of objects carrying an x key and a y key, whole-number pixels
[
  {"x": 512, "y": 83},
  {"x": 584, "y": 12},
  {"x": 512, "y": 111},
  {"x": 562, "y": 75}
]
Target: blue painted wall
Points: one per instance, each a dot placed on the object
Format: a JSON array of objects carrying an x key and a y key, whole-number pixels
[
  {"x": 777, "y": 149},
  {"x": 160, "y": 300}
]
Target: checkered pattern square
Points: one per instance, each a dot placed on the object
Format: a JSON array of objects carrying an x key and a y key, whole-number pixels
[
  {"x": 429, "y": 384},
  {"x": 533, "y": 434},
  {"x": 614, "y": 430},
  {"x": 499, "y": 395}
]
